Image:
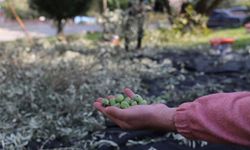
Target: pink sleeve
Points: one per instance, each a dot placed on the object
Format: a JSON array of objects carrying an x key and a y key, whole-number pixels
[{"x": 219, "y": 118}]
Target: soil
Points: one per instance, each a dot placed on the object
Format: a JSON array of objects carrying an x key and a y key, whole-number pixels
[{"x": 227, "y": 80}]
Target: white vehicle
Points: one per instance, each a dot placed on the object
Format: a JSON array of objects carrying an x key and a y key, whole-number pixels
[{"x": 84, "y": 19}]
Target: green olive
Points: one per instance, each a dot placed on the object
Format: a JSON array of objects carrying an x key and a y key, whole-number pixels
[
  {"x": 119, "y": 98},
  {"x": 124, "y": 105},
  {"x": 118, "y": 105},
  {"x": 133, "y": 103},
  {"x": 127, "y": 99},
  {"x": 137, "y": 98},
  {"x": 112, "y": 102},
  {"x": 124, "y": 102},
  {"x": 105, "y": 102},
  {"x": 143, "y": 102},
  {"x": 130, "y": 102}
]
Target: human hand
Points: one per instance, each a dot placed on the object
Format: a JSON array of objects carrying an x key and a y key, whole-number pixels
[{"x": 155, "y": 116}]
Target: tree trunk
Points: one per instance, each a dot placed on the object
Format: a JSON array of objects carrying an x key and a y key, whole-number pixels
[
  {"x": 126, "y": 43},
  {"x": 105, "y": 5},
  {"x": 139, "y": 42},
  {"x": 140, "y": 34},
  {"x": 201, "y": 6},
  {"x": 205, "y": 7},
  {"x": 167, "y": 6},
  {"x": 60, "y": 27},
  {"x": 140, "y": 25},
  {"x": 163, "y": 6}
]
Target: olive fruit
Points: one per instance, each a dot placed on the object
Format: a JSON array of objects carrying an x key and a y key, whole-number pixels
[
  {"x": 112, "y": 102},
  {"x": 119, "y": 98},
  {"x": 124, "y": 102},
  {"x": 133, "y": 103},
  {"x": 124, "y": 105},
  {"x": 118, "y": 105},
  {"x": 137, "y": 98},
  {"x": 143, "y": 102},
  {"x": 105, "y": 102},
  {"x": 127, "y": 99}
]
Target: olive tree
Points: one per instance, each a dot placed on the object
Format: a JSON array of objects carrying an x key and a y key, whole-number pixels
[
  {"x": 60, "y": 10},
  {"x": 201, "y": 6}
]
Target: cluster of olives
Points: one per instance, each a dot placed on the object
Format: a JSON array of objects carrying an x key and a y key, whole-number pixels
[{"x": 124, "y": 102}]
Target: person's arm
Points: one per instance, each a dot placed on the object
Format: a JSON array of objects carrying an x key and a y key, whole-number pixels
[{"x": 220, "y": 118}]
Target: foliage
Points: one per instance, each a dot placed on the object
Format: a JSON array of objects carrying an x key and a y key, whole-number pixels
[
  {"x": 117, "y": 4},
  {"x": 64, "y": 8},
  {"x": 190, "y": 22},
  {"x": 22, "y": 9},
  {"x": 95, "y": 37},
  {"x": 48, "y": 90},
  {"x": 188, "y": 25},
  {"x": 112, "y": 22},
  {"x": 60, "y": 10}
]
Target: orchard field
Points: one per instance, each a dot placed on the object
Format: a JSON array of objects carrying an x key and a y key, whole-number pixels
[
  {"x": 48, "y": 88},
  {"x": 158, "y": 48}
]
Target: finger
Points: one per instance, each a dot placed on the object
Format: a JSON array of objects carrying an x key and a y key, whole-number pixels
[
  {"x": 99, "y": 100},
  {"x": 129, "y": 92},
  {"x": 102, "y": 109},
  {"x": 98, "y": 106},
  {"x": 110, "y": 96},
  {"x": 119, "y": 122}
]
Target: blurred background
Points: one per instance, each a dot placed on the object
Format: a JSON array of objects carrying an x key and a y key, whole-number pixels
[{"x": 57, "y": 57}]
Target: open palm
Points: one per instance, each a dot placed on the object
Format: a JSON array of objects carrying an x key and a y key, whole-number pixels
[{"x": 155, "y": 116}]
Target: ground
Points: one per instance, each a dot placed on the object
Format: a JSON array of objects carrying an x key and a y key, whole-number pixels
[
  {"x": 167, "y": 38},
  {"x": 48, "y": 88}
]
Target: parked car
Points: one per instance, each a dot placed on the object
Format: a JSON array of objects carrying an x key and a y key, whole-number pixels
[
  {"x": 233, "y": 17},
  {"x": 84, "y": 19}
]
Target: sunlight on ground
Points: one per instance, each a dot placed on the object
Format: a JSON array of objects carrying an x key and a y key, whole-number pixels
[{"x": 186, "y": 41}]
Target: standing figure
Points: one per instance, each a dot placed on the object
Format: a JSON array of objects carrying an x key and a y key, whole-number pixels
[{"x": 133, "y": 23}]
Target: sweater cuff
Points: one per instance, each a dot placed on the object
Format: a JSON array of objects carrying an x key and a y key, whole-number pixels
[{"x": 182, "y": 120}]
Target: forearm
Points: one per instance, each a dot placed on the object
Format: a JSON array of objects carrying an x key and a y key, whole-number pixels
[
  {"x": 167, "y": 119},
  {"x": 221, "y": 118}
]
